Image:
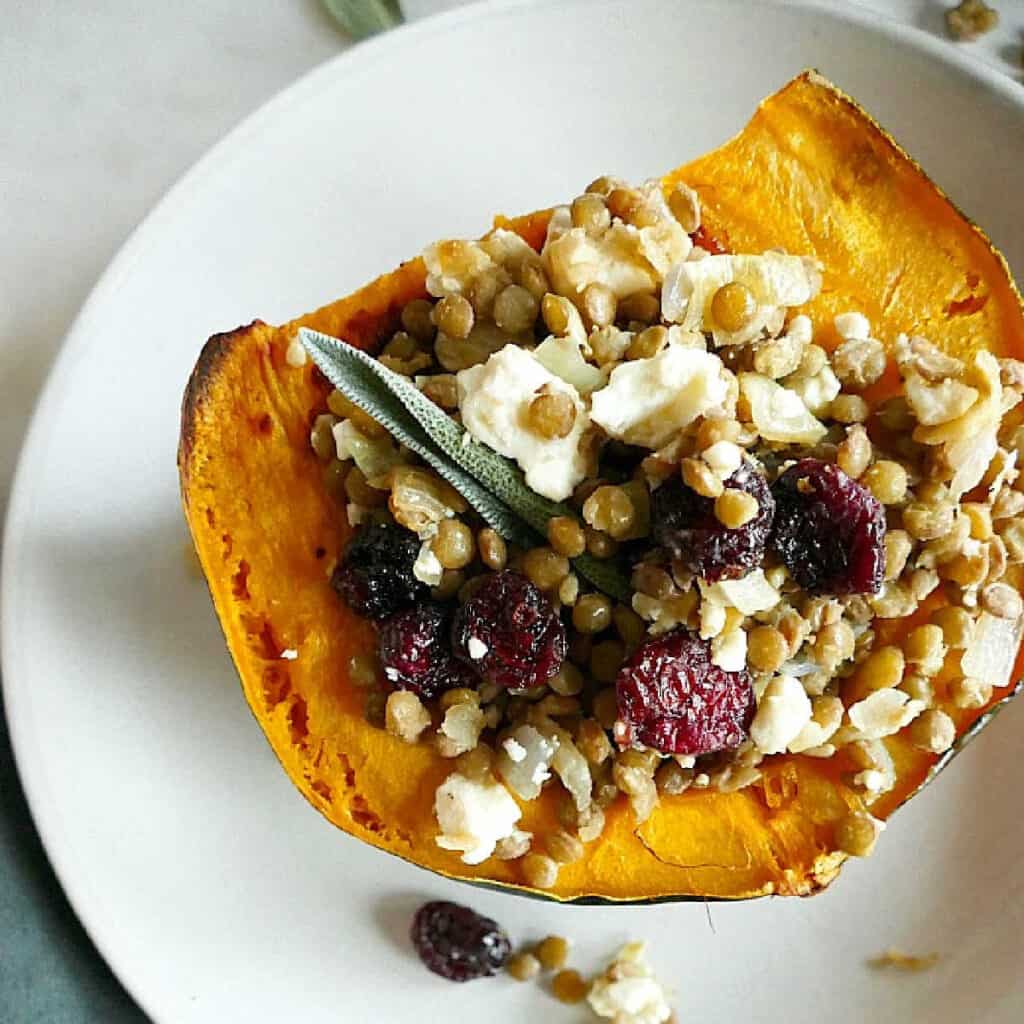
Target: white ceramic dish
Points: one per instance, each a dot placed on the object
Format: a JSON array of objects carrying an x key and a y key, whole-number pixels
[{"x": 212, "y": 888}]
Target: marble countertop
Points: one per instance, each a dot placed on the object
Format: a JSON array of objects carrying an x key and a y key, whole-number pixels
[{"x": 106, "y": 105}]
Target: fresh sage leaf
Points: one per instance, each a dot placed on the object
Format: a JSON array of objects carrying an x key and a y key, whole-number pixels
[{"x": 492, "y": 484}]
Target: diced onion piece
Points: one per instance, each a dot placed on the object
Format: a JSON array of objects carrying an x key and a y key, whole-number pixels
[
  {"x": 993, "y": 650},
  {"x": 774, "y": 279},
  {"x": 563, "y": 358},
  {"x": 778, "y": 413},
  {"x": 749, "y": 595}
]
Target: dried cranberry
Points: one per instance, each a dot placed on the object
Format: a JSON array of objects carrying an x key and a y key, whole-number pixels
[
  {"x": 673, "y": 699},
  {"x": 415, "y": 650},
  {"x": 458, "y": 943},
  {"x": 375, "y": 574},
  {"x": 509, "y": 632},
  {"x": 829, "y": 531},
  {"x": 684, "y": 522}
]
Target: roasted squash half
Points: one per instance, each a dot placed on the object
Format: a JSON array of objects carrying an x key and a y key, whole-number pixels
[{"x": 811, "y": 172}]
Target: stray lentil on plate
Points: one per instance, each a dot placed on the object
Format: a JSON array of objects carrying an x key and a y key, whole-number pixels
[{"x": 819, "y": 514}]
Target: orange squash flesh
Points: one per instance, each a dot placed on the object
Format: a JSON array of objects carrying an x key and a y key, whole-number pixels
[{"x": 810, "y": 173}]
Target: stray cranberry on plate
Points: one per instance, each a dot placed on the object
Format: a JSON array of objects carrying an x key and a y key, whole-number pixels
[{"x": 457, "y": 942}]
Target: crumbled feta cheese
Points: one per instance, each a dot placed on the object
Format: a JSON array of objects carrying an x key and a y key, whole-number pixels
[
  {"x": 723, "y": 458},
  {"x": 615, "y": 259},
  {"x": 428, "y": 568},
  {"x": 782, "y": 712},
  {"x": 884, "y": 713},
  {"x": 477, "y": 648},
  {"x": 818, "y": 391},
  {"x": 729, "y": 650},
  {"x": 712, "y": 619},
  {"x": 750, "y": 594},
  {"x": 493, "y": 399},
  {"x": 646, "y": 401},
  {"x": 627, "y": 992},
  {"x": 453, "y": 264},
  {"x": 852, "y": 326},
  {"x": 289, "y": 654},
  {"x": 800, "y": 330},
  {"x": 778, "y": 413},
  {"x": 473, "y": 816},
  {"x": 870, "y": 779},
  {"x": 825, "y": 719},
  {"x": 774, "y": 279},
  {"x": 295, "y": 355},
  {"x": 702, "y": 781},
  {"x": 516, "y": 751}
]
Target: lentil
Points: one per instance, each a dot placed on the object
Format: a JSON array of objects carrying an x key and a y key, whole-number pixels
[
  {"x": 933, "y": 730},
  {"x": 592, "y": 741},
  {"x": 887, "y": 481},
  {"x": 592, "y": 613},
  {"x": 733, "y": 307},
  {"x": 493, "y": 552},
  {"x": 453, "y": 544},
  {"x": 698, "y": 476},
  {"x": 590, "y": 213},
  {"x": 642, "y": 307},
  {"x": 566, "y": 536},
  {"x": 648, "y": 343},
  {"x": 454, "y": 316},
  {"x": 606, "y": 707},
  {"x": 598, "y": 305},
  {"x": 767, "y": 648},
  {"x": 569, "y": 987},
  {"x": 545, "y": 569},
  {"x": 552, "y": 952},
  {"x": 515, "y": 309},
  {"x": 735, "y": 508},
  {"x": 523, "y": 966},
  {"x": 600, "y": 545},
  {"x": 925, "y": 647},
  {"x": 539, "y": 871},
  {"x": 854, "y": 453},
  {"x": 606, "y": 659},
  {"x": 417, "y": 319},
  {"x": 856, "y": 834},
  {"x": 569, "y": 589},
  {"x": 567, "y": 681},
  {"x": 563, "y": 847},
  {"x": 849, "y": 409},
  {"x": 552, "y": 414}
]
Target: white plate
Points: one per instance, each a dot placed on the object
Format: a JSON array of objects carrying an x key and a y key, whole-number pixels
[{"x": 209, "y": 884}]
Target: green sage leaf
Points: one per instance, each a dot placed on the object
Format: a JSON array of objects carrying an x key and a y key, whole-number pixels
[{"x": 492, "y": 484}]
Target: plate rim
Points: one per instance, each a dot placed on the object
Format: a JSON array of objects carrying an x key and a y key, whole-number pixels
[{"x": 347, "y": 63}]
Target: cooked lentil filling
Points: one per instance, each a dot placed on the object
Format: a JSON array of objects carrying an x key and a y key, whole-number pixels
[{"x": 776, "y": 490}]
